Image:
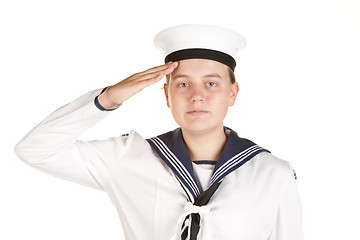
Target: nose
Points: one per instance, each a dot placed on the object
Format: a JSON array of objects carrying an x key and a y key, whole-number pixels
[{"x": 197, "y": 95}]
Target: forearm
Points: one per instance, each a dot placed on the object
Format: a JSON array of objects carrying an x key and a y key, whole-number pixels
[
  {"x": 52, "y": 145},
  {"x": 106, "y": 99},
  {"x": 60, "y": 129}
]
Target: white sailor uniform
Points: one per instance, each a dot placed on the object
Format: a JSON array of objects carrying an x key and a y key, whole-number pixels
[{"x": 154, "y": 185}]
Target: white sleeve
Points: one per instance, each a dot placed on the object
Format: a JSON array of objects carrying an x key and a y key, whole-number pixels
[
  {"x": 52, "y": 146},
  {"x": 289, "y": 222}
]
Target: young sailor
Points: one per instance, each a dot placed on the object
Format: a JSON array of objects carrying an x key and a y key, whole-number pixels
[{"x": 200, "y": 181}]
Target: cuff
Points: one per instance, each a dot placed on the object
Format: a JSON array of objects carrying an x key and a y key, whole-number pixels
[{"x": 101, "y": 107}]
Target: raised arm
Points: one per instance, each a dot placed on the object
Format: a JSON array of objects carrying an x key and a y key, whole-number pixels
[{"x": 52, "y": 146}]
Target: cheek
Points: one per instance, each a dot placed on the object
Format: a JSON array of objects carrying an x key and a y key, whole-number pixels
[
  {"x": 221, "y": 103},
  {"x": 220, "y": 98},
  {"x": 173, "y": 99}
]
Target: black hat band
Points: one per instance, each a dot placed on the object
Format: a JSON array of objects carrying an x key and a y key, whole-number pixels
[{"x": 200, "y": 53}]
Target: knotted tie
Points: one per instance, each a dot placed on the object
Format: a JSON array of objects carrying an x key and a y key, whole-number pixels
[{"x": 198, "y": 208}]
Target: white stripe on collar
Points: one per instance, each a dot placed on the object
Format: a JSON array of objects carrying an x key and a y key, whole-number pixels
[
  {"x": 183, "y": 173},
  {"x": 234, "y": 162},
  {"x": 172, "y": 150}
]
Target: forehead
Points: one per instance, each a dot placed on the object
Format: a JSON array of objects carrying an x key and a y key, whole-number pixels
[{"x": 200, "y": 67}]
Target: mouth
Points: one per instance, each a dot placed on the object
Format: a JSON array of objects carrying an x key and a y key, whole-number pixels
[{"x": 197, "y": 112}]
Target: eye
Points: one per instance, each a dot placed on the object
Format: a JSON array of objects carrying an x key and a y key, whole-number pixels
[
  {"x": 183, "y": 85},
  {"x": 211, "y": 84}
]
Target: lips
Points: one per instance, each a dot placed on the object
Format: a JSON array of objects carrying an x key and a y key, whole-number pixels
[{"x": 197, "y": 112}]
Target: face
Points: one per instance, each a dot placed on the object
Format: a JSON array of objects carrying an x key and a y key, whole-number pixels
[{"x": 199, "y": 94}]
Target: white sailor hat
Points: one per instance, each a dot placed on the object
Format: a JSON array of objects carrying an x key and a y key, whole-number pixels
[{"x": 200, "y": 41}]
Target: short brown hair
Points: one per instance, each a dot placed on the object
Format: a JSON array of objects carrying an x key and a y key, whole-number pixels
[{"x": 231, "y": 75}]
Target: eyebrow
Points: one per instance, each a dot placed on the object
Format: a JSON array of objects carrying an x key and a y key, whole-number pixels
[
  {"x": 210, "y": 75},
  {"x": 213, "y": 75},
  {"x": 180, "y": 76}
]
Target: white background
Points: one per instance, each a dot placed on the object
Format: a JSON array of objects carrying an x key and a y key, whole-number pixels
[{"x": 299, "y": 98}]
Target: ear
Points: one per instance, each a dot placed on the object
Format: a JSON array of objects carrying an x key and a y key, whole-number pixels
[
  {"x": 166, "y": 94},
  {"x": 233, "y": 93}
]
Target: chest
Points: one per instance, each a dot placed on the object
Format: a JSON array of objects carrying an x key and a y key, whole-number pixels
[
  {"x": 243, "y": 207},
  {"x": 148, "y": 194}
]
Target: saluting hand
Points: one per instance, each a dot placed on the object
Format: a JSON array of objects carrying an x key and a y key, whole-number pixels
[{"x": 130, "y": 86}]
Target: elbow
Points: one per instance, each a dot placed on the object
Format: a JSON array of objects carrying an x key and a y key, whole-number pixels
[
  {"x": 26, "y": 153},
  {"x": 20, "y": 151}
]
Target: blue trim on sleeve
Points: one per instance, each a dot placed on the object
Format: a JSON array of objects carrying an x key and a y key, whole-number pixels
[{"x": 101, "y": 107}]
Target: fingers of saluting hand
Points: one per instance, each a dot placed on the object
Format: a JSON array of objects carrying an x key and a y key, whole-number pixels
[
  {"x": 156, "y": 71},
  {"x": 125, "y": 89},
  {"x": 159, "y": 68},
  {"x": 152, "y": 75}
]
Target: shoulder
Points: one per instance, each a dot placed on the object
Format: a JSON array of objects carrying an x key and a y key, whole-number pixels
[
  {"x": 270, "y": 160},
  {"x": 267, "y": 163}
]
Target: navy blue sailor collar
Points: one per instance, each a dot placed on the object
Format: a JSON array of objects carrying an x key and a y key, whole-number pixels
[{"x": 172, "y": 150}]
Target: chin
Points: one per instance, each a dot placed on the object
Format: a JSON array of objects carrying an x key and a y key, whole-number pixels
[{"x": 199, "y": 128}]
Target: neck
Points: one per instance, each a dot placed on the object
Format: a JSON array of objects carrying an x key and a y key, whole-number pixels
[{"x": 205, "y": 146}]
